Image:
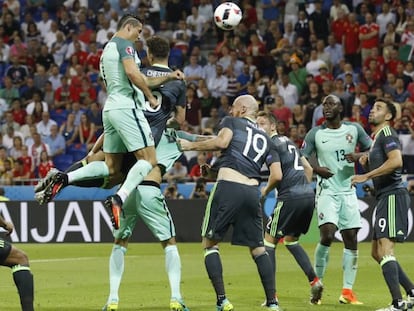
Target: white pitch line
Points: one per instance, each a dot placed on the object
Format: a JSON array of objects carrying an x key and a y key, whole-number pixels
[{"x": 71, "y": 259}]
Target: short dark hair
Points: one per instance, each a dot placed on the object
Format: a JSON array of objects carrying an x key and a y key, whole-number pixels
[
  {"x": 159, "y": 47},
  {"x": 270, "y": 116},
  {"x": 128, "y": 18}
]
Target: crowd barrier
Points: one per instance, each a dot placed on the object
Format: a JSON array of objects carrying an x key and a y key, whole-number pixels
[{"x": 88, "y": 221}]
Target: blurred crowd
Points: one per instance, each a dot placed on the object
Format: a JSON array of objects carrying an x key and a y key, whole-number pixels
[{"x": 287, "y": 54}]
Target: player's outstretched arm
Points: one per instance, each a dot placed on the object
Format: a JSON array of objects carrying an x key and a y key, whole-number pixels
[{"x": 221, "y": 141}]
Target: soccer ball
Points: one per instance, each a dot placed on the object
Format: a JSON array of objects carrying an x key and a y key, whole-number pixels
[{"x": 227, "y": 15}]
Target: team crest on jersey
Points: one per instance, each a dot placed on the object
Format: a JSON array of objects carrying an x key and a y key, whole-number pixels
[
  {"x": 129, "y": 50},
  {"x": 349, "y": 138},
  {"x": 321, "y": 216}
]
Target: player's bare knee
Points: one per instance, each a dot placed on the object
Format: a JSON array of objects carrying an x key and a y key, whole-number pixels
[{"x": 17, "y": 257}]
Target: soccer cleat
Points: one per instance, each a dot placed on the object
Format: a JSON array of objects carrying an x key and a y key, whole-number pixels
[
  {"x": 349, "y": 297},
  {"x": 42, "y": 184},
  {"x": 410, "y": 303},
  {"x": 316, "y": 292},
  {"x": 225, "y": 306},
  {"x": 113, "y": 306},
  {"x": 58, "y": 182},
  {"x": 178, "y": 305},
  {"x": 274, "y": 307},
  {"x": 402, "y": 306},
  {"x": 113, "y": 204}
]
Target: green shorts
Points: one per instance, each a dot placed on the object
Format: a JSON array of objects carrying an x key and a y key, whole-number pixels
[
  {"x": 126, "y": 130},
  {"x": 149, "y": 204},
  {"x": 167, "y": 149},
  {"x": 341, "y": 210}
]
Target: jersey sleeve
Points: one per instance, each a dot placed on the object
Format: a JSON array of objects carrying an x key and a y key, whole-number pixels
[
  {"x": 175, "y": 92},
  {"x": 125, "y": 49},
  {"x": 308, "y": 145},
  {"x": 226, "y": 122},
  {"x": 273, "y": 155},
  {"x": 363, "y": 138},
  {"x": 390, "y": 143}
]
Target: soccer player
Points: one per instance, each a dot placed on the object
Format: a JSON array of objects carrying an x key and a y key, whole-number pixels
[
  {"x": 234, "y": 200},
  {"x": 17, "y": 260},
  {"x": 125, "y": 127},
  {"x": 293, "y": 212},
  {"x": 147, "y": 202},
  {"x": 336, "y": 201},
  {"x": 384, "y": 164}
]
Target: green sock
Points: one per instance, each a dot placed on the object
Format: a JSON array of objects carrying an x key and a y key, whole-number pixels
[
  {"x": 173, "y": 267},
  {"x": 116, "y": 269},
  {"x": 90, "y": 171},
  {"x": 350, "y": 267},
  {"x": 135, "y": 176},
  {"x": 321, "y": 259}
]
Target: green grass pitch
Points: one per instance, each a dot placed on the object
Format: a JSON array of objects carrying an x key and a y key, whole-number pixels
[{"x": 75, "y": 277}]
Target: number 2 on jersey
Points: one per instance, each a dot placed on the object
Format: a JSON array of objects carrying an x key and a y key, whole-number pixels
[{"x": 296, "y": 166}]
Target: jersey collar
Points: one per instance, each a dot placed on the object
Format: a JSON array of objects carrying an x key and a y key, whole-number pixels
[{"x": 160, "y": 65}]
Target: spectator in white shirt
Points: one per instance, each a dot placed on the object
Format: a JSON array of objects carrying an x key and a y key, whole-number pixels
[
  {"x": 193, "y": 71},
  {"x": 43, "y": 127},
  {"x": 218, "y": 85},
  {"x": 288, "y": 91},
  {"x": 314, "y": 63}
]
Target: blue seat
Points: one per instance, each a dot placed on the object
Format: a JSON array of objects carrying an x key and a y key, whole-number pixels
[
  {"x": 78, "y": 151},
  {"x": 63, "y": 161}
]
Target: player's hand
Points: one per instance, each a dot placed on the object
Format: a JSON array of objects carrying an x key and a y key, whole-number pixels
[
  {"x": 8, "y": 226},
  {"x": 183, "y": 144},
  {"x": 177, "y": 75},
  {"x": 324, "y": 172},
  {"x": 154, "y": 103},
  {"x": 205, "y": 169},
  {"x": 357, "y": 179},
  {"x": 363, "y": 160},
  {"x": 352, "y": 157}
]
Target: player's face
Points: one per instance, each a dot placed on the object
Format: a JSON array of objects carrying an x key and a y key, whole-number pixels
[
  {"x": 379, "y": 113},
  {"x": 330, "y": 108},
  {"x": 264, "y": 124},
  {"x": 135, "y": 32}
]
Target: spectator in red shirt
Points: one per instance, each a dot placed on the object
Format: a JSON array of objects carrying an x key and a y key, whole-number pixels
[
  {"x": 93, "y": 57},
  {"x": 195, "y": 171},
  {"x": 324, "y": 75},
  {"x": 339, "y": 26},
  {"x": 282, "y": 112},
  {"x": 368, "y": 35},
  {"x": 350, "y": 41},
  {"x": 19, "y": 114},
  {"x": 45, "y": 165},
  {"x": 249, "y": 14},
  {"x": 20, "y": 173},
  {"x": 27, "y": 160}
]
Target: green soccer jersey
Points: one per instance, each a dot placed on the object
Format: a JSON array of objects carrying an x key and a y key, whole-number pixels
[
  {"x": 330, "y": 147},
  {"x": 122, "y": 94}
]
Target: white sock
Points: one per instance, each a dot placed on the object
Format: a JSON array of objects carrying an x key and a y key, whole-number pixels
[
  {"x": 116, "y": 269},
  {"x": 173, "y": 267}
]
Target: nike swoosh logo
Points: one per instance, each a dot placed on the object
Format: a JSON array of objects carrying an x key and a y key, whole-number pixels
[{"x": 324, "y": 141}]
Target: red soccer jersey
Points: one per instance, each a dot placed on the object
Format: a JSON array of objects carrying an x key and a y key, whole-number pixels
[
  {"x": 19, "y": 116},
  {"x": 338, "y": 29},
  {"x": 44, "y": 168},
  {"x": 351, "y": 33},
  {"x": 372, "y": 42}
]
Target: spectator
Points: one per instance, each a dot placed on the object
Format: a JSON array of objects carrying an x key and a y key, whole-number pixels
[
  {"x": 9, "y": 122},
  {"x": 25, "y": 128},
  {"x": 195, "y": 171},
  {"x": 400, "y": 94},
  {"x": 6, "y": 173},
  {"x": 18, "y": 49},
  {"x": 181, "y": 37},
  {"x": 87, "y": 132},
  {"x": 345, "y": 97},
  {"x": 45, "y": 58},
  {"x": 40, "y": 77},
  {"x": 45, "y": 165},
  {"x": 9, "y": 91},
  {"x": 213, "y": 121},
  {"x": 302, "y": 28},
  {"x": 400, "y": 19},
  {"x": 243, "y": 79},
  {"x": 193, "y": 108},
  {"x": 314, "y": 63},
  {"x": 20, "y": 173},
  {"x": 171, "y": 192},
  {"x": 336, "y": 7},
  {"x": 36, "y": 148},
  {"x": 32, "y": 32},
  {"x": 350, "y": 41},
  {"x": 27, "y": 91},
  {"x": 44, "y": 24},
  {"x": 37, "y": 104},
  {"x": 198, "y": 25},
  {"x": 9, "y": 136},
  {"x": 199, "y": 191},
  {"x": 319, "y": 22},
  {"x": 69, "y": 130},
  {"x": 44, "y": 126},
  {"x": 63, "y": 94},
  {"x": 338, "y": 25},
  {"x": 288, "y": 91},
  {"x": 56, "y": 141},
  {"x": 384, "y": 18},
  {"x": 281, "y": 112},
  {"x": 178, "y": 173},
  {"x": 16, "y": 151},
  {"x": 224, "y": 107},
  {"x": 369, "y": 36},
  {"x": 27, "y": 160},
  {"x": 59, "y": 48},
  {"x": 193, "y": 71},
  {"x": 298, "y": 74}
]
